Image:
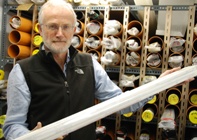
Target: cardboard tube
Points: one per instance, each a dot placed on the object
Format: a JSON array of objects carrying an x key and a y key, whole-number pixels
[
  {"x": 194, "y": 59},
  {"x": 173, "y": 96},
  {"x": 149, "y": 112},
  {"x": 193, "y": 97},
  {"x": 99, "y": 32},
  {"x": 79, "y": 44},
  {"x": 110, "y": 135},
  {"x": 117, "y": 44},
  {"x": 37, "y": 39},
  {"x": 136, "y": 39},
  {"x": 194, "y": 36},
  {"x": 154, "y": 39},
  {"x": 80, "y": 15},
  {"x": 18, "y": 51},
  {"x": 192, "y": 114},
  {"x": 131, "y": 61},
  {"x": 128, "y": 115},
  {"x": 181, "y": 50},
  {"x": 35, "y": 50},
  {"x": 138, "y": 25},
  {"x": 118, "y": 55},
  {"x": 195, "y": 45},
  {"x": 2, "y": 73},
  {"x": 35, "y": 27},
  {"x": 130, "y": 136},
  {"x": 24, "y": 25},
  {"x": 122, "y": 133},
  {"x": 98, "y": 39},
  {"x": 96, "y": 54},
  {"x": 154, "y": 65},
  {"x": 19, "y": 37},
  {"x": 176, "y": 109},
  {"x": 153, "y": 100},
  {"x": 172, "y": 65},
  {"x": 80, "y": 29},
  {"x": 119, "y": 34},
  {"x": 147, "y": 133},
  {"x": 114, "y": 30}
]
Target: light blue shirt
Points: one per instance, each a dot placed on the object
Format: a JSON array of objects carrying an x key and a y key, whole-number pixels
[{"x": 19, "y": 98}]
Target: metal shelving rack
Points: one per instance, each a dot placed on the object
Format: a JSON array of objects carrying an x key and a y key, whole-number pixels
[{"x": 142, "y": 69}]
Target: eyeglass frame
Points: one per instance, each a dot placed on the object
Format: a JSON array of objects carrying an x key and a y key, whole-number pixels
[{"x": 56, "y": 27}]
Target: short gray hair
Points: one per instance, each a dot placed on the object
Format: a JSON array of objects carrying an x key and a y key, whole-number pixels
[{"x": 52, "y": 3}]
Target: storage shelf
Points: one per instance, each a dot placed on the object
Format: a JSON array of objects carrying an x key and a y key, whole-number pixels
[
  {"x": 133, "y": 70},
  {"x": 125, "y": 11},
  {"x": 119, "y": 8},
  {"x": 190, "y": 125}
]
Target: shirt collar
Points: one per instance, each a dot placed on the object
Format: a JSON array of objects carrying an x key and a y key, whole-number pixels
[{"x": 47, "y": 52}]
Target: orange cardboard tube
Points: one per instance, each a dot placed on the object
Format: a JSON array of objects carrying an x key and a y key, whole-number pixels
[
  {"x": 23, "y": 24},
  {"x": 18, "y": 51},
  {"x": 19, "y": 37}
]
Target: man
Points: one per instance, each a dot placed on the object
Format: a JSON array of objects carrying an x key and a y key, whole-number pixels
[{"x": 58, "y": 81}]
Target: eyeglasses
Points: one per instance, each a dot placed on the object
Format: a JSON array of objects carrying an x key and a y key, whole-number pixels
[{"x": 55, "y": 27}]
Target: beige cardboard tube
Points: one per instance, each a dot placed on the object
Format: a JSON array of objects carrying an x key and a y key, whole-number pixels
[
  {"x": 95, "y": 54},
  {"x": 138, "y": 25},
  {"x": 99, "y": 32},
  {"x": 154, "y": 39},
  {"x": 81, "y": 27}
]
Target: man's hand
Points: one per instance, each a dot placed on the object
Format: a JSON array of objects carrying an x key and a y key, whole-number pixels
[
  {"x": 173, "y": 70},
  {"x": 39, "y": 125}
]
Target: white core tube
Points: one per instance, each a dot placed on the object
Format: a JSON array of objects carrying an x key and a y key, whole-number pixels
[{"x": 104, "y": 109}]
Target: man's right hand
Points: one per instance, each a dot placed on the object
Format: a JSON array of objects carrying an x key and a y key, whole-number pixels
[{"x": 39, "y": 125}]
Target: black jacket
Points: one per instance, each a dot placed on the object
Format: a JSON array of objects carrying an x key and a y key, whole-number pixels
[{"x": 54, "y": 96}]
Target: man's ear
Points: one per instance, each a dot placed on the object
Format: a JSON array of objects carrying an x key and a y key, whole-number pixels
[{"x": 75, "y": 28}]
